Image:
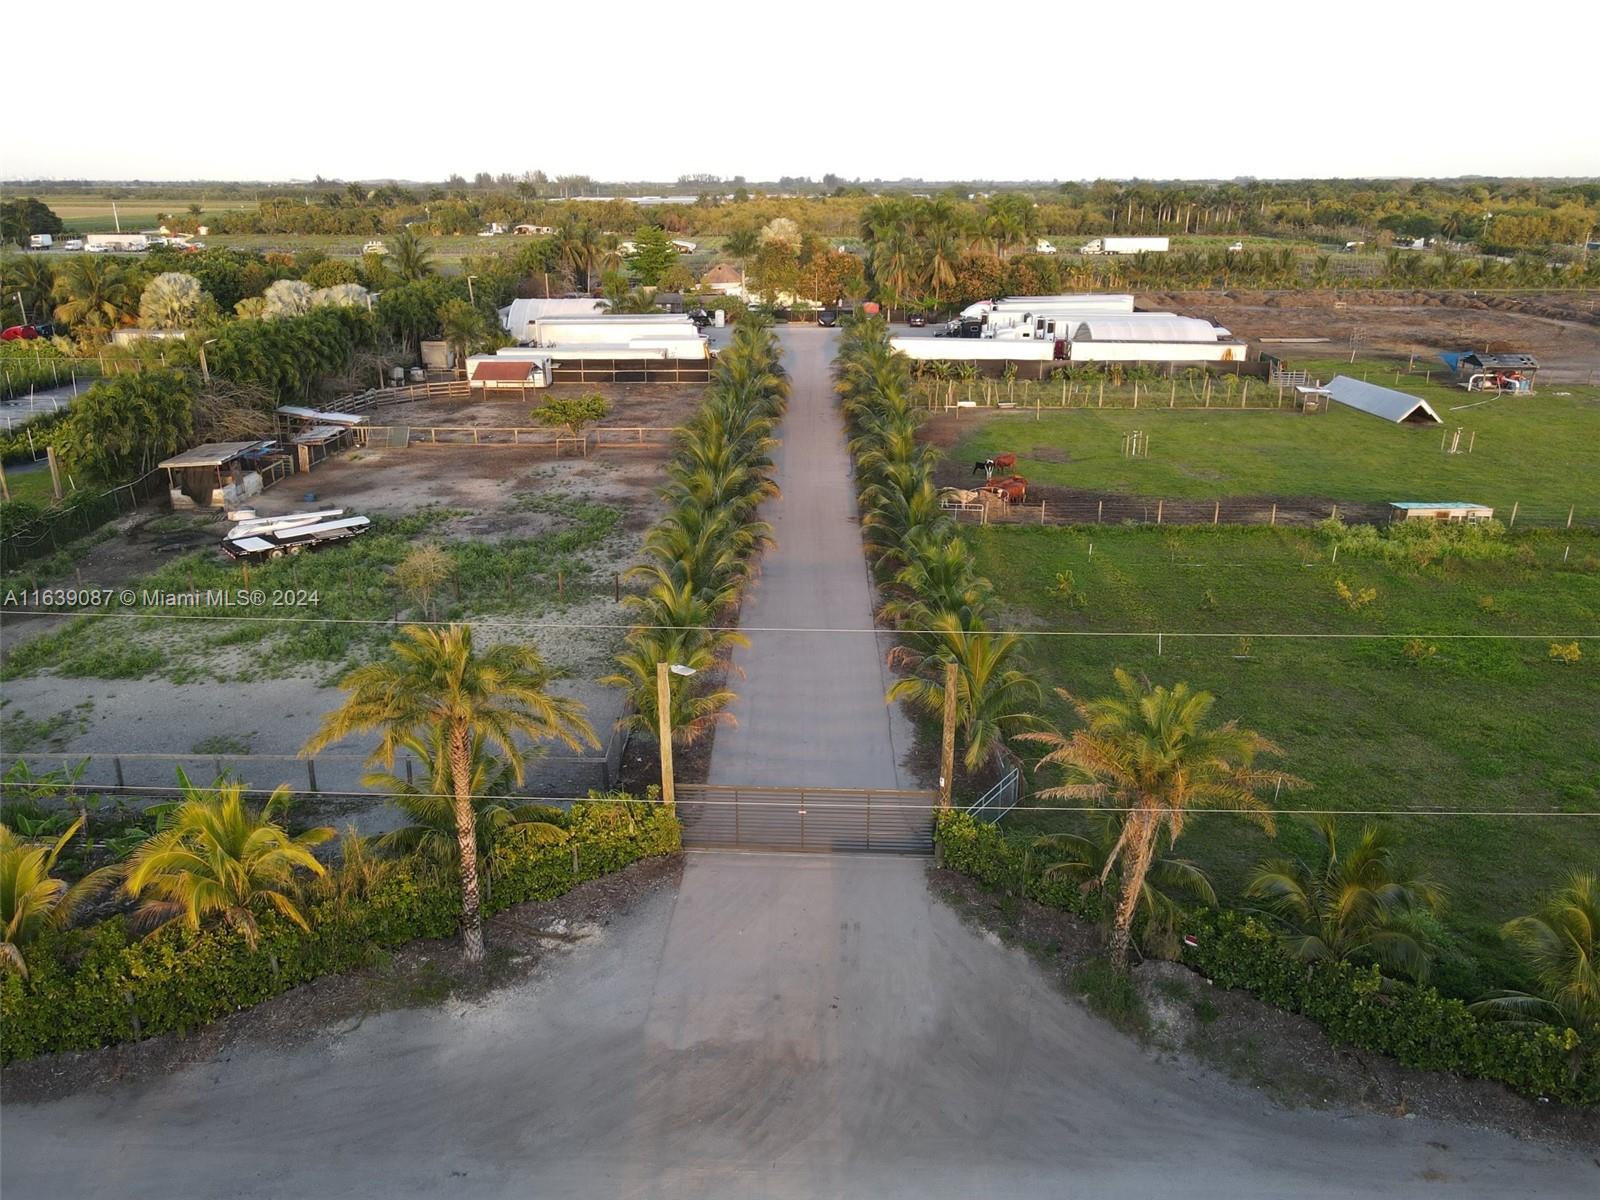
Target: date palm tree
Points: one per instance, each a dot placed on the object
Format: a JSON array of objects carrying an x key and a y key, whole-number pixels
[
  {"x": 1350, "y": 903},
  {"x": 411, "y": 259},
  {"x": 32, "y": 899},
  {"x": 1561, "y": 944},
  {"x": 435, "y": 683},
  {"x": 95, "y": 293},
  {"x": 1150, "y": 753},
  {"x": 217, "y": 857}
]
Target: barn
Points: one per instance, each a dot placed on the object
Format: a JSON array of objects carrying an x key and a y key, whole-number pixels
[{"x": 1387, "y": 403}]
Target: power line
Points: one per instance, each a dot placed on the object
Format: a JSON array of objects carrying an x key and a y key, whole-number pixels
[{"x": 627, "y": 627}]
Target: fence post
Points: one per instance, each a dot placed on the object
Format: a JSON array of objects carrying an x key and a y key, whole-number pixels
[
  {"x": 1570, "y": 509},
  {"x": 1099, "y": 512},
  {"x": 1216, "y": 512},
  {"x": 1515, "y": 505},
  {"x": 1159, "y": 505},
  {"x": 311, "y": 773},
  {"x": 116, "y": 764},
  {"x": 1274, "y": 518}
]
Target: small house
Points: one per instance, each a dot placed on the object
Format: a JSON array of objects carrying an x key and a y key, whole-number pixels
[{"x": 725, "y": 279}]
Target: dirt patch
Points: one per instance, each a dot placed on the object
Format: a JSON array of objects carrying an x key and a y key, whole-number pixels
[
  {"x": 1196, "y": 1025},
  {"x": 524, "y": 941},
  {"x": 1561, "y": 329}
]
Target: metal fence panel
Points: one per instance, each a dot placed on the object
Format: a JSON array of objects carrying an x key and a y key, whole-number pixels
[{"x": 813, "y": 820}]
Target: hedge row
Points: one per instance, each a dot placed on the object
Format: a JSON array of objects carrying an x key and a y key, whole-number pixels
[
  {"x": 1415, "y": 1025},
  {"x": 100, "y": 985}
]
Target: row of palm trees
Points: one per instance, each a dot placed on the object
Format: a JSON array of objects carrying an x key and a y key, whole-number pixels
[{"x": 700, "y": 556}]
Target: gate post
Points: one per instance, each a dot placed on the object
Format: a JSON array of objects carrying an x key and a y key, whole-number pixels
[
  {"x": 947, "y": 743},
  {"x": 664, "y": 729}
]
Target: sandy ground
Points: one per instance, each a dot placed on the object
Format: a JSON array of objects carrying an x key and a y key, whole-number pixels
[
  {"x": 777, "y": 1026},
  {"x": 274, "y": 716}
]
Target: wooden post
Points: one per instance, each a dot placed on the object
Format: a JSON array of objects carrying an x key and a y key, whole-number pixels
[
  {"x": 55, "y": 471},
  {"x": 1515, "y": 505},
  {"x": 1172, "y": 400},
  {"x": 5, "y": 492},
  {"x": 1216, "y": 511},
  {"x": 311, "y": 773},
  {"x": 1159, "y": 505},
  {"x": 1102, "y": 403},
  {"x": 664, "y": 728},
  {"x": 1099, "y": 512},
  {"x": 1571, "y": 508},
  {"x": 947, "y": 740},
  {"x": 1274, "y": 519}
]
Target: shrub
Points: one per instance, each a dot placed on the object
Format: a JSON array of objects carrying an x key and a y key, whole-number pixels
[
  {"x": 1415, "y": 1025},
  {"x": 95, "y": 986},
  {"x": 1355, "y": 599},
  {"x": 1565, "y": 652}
]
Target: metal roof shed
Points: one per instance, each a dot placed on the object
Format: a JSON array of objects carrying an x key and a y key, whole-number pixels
[
  {"x": 211, "y": 475},
  {"x": 1399, "y": 407}
]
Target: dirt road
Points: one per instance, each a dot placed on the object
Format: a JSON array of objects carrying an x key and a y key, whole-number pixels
[
  {"x": 810, "y": 709},
  {"x": 780, "y": 1026}
]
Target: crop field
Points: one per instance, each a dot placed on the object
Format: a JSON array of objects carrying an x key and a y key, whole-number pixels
[
  {"x": 1421, "y": 718},
  {"x": 92, "y": 214},
  {"x": 1535, "y": 452}
]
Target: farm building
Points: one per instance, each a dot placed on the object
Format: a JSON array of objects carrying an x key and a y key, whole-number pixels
[
  {"x": 1441, "y": 510},
  {"x": 1391, "y": 405},
  {"x": 1485, "y": 372},
  {"x": 504, "y": 372},
  {"x": 725, "y": 279},
  {"x": 517, "y": 317},
  {"x": 218, "y": 474}
]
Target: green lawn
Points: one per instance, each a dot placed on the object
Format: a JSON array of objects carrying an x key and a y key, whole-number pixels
[
  {"x": 1478, "y": 725},
  {"x": 1542, "y": 452}
]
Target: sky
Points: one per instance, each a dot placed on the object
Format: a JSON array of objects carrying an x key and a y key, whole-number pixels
[{"x": 870, "y": 90}]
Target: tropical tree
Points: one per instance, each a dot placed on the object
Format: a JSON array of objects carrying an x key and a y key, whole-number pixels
[
  {"x": 572, "y": 414},
  {"x": 32, "y": 899},
  {"x": 1089, "y": 860},
  {"x": 652, "y": 253},
  {"x": 411, "y": 259},
  {"x": 435, "y": 684},
  {"x": 32, "y": 279},
  {"x": 173, "y": 300},
  {"x": 1351, "y": 902},
  {"x": 1150, "y": 753},
  {"x": 96, "y": 293},
  {"x": 743, "y": 244},
  {"x": 1561, "y": 945},
  {"x": 431, "y": 807},
  {"x": 465, "y": 328},
  {"x": 217, "y": 857}
]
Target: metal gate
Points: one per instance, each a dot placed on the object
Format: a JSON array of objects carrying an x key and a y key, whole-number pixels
[{"x": 863, "y": 820}]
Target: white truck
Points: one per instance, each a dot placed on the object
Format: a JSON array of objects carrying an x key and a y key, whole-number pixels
[
  {"x": 1126, "y": 245},
  {"x": 40, "y": 241},
  {"x": 116, "y": 243}
]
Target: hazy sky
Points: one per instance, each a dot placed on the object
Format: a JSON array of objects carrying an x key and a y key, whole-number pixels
[{"x": 969, "y": 90}]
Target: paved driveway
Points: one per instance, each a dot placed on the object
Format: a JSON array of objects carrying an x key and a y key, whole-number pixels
[
  {"x": 810, "y": 710},
  {"x": 781, "y": 1026}
]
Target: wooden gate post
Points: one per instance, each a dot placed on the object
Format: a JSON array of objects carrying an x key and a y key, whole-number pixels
[
  {"x": 664, "y": 729},
  {"x": 947, "y": 742}
]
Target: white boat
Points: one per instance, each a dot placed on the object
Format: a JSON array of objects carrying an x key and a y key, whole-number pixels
[{"x": 259, "y": 525}]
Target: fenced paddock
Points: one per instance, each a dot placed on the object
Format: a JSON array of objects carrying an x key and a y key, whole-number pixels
[{"x": 610, "y": 437}]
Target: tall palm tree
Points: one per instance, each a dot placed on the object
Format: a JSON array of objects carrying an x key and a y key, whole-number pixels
[
  {"x": 1088, "y": 860},
  {"x": 95, "y": 293},
  {"x": 744, "y": 244},
  {"x": 992, "y": 696},
  {"x": 1149, "y": 752},
  {"x": 1351, "y": 903},
  {"x": 215, "y": 856},
  {"x": 33, "y": 278},
  {"x": 1561, "y": 943},
  {"x": 31, "y": 898},
  {"x": 411, "y": 259},
  {"x": 434, "y": 683}
]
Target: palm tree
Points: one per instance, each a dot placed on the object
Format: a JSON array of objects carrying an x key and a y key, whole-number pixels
[
  {"x": 33, "y": 278},
  {"x": 33, "y": 900},
  {"x": 1561, "y": 943},
  {"x": 432, "y": 835},
  {"x": 1089, "y": 860},
  {"x": 436, "y": 684},
  {"x": 411, "y": 258},
  {"x": 743, "y": 243},
  {"x": 991, "y": 694},
  {"x": 464, "y": 328},
  {"x": 1149, "y": 752},
  {"x": 217, "y": 857},
  {"x": 95, "y": 293},
  {"x": 1351, "y": 903}
]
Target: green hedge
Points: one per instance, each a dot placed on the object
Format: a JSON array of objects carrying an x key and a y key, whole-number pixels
[
  {"x": 99, "y": 985},
  {"x": 1415, "y": 1025}
]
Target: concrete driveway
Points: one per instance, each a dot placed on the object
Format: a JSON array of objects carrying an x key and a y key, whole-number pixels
[
  {"x": 810, "y": 710},
  {"x": 781, "y": 1026}
]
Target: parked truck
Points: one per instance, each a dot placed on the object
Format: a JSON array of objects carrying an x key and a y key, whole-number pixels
[
  {"x": 1125, "y": 245},
  {"x": 40, "y": 241}
]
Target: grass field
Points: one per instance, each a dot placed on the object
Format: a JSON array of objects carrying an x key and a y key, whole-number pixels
[
  {"x": 1482, "y": 725},
  {"x": 92, "y": 214},
  {"x": 1542, "y": 452}
]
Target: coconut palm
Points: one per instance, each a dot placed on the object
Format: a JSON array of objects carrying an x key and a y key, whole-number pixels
[
  {"x": 411, "y": 258},
  {"x": 1088, "y": 859},
  {"x": 1150, "y": 753},
  {"x": 430, "y": 803},
  {"x": 1561, "y": 944},
  {"x": 217, "y": 857},
  {"x": 1350, "y": 903},
  {"x": 992, "y": 695},
  {"x": 33, "y": 278},
  {"x": 435, "y": 683},
  {"x": 96, "y": 293},
  {"x": 33, "y": 900}
]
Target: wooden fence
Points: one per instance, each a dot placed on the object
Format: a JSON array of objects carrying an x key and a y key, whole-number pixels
[{"x": 602, "y": 437}]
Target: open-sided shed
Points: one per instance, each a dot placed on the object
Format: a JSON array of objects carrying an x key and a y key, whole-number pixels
[
  {"x": 213, "y": 475},
  {"x": 1400, "y": 407}
]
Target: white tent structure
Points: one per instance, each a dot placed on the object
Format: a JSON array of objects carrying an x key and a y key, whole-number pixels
[
  {"x": 1066, "y": 302},
  {"x": 1376, "y": 401},
  {"x": 1147, "y": 327},
  {"x": 516, "y": 317}
]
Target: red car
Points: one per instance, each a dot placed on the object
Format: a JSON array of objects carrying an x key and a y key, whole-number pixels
[{"x": 19, "y": 333}]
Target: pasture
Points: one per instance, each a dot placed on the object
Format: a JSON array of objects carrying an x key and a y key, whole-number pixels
[
  {"x": 1415, "y": 720},
  {"x": 1536, "y": 452}
]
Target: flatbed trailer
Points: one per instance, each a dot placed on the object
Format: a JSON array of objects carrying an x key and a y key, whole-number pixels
[{"x": 292, "y": 539}]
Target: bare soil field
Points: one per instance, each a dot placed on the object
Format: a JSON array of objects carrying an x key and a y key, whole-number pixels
[
  {"x": 1561, "y": 329},
  {"x": 234, "y": 703}
]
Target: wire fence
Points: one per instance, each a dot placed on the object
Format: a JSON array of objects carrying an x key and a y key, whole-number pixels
[{"x": 79, "y": 514}]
